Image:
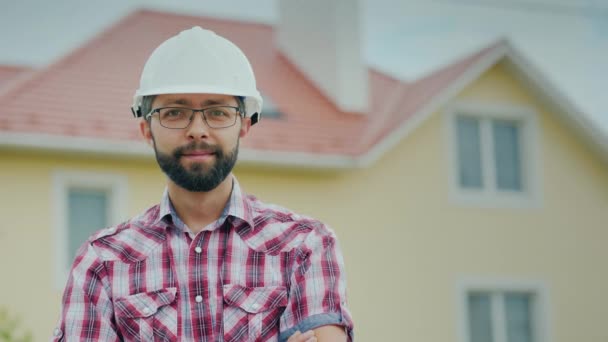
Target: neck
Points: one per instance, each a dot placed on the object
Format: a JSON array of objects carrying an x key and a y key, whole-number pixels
[{"x": 198, "y": 209}]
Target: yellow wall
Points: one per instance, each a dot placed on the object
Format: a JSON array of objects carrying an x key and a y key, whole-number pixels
[
  {"x": 406, "y": 245},
  {"x": 26, "y": 228}
]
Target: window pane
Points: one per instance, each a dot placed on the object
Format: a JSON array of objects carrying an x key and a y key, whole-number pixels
[
  {"x": 480, "y": 317},
  {"x": 87, "y": 212},
  {"x": 469, "y": 152},
  {"x": 507, "y": 154},
  {"x": 519, "y": 317}
]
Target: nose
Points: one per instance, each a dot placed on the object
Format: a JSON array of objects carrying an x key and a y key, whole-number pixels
[{"x": 198, "y": 128}]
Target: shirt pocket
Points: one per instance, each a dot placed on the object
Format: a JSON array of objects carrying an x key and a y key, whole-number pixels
[
  {"x": 252, "y": 313},
  {"x": 148, "y": 316}
]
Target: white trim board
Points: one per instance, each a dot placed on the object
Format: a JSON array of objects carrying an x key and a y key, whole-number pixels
[
  {"x": 76, "y": 145},
  {"x": 567, "y": 111},
  {"x": 140, "y": 150}
]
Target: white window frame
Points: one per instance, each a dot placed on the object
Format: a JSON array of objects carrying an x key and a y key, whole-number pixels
[
  {"x": 116, "y": 186},
  {"x": 489, "y": 196},
  {"x": 497, "y": 287}
]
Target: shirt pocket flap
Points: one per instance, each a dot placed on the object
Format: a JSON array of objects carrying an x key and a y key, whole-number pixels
[
  {"x": 144, "y": 304},
  {"x": 255, "y": 299}
]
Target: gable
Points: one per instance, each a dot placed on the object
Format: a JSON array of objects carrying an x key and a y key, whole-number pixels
[
  {"x": 502, "y": 86},
  {"x": 497, "y": 85},
  {"x": 564, "y": 154}
]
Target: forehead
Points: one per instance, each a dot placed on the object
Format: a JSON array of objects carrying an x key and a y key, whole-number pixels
[{"x": 194, "y": 100}]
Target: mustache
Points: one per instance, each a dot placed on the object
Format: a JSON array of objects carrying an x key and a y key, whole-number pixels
[{"x": 194, "y": 146}]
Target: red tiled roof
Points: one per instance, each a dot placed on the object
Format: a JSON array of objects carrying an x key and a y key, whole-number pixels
[
  {"x": 9, "y": 73},
  {"x": 88, "y": 93}
]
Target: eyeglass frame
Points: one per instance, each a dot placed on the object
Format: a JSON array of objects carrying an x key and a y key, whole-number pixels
[{"x": 194, "y": 110}]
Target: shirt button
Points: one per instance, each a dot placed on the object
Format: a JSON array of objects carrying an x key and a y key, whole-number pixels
[
  {"x": 255, "y": 306},
  {"x": 146, "y": 311},
  {"x": 198, "y": 298},
  {"x": 198, "y": 249},
  {"x": 57, "y": 332}
]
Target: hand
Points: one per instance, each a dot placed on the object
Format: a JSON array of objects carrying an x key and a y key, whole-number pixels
[{"x": 308, "y": 336}]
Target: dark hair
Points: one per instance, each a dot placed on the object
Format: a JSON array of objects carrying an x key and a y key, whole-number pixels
[
  {"x": 146, "y": 104},
  {"x": 240, "y": 100}
]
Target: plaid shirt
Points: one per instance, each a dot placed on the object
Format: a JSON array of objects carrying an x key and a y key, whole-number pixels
[{"x": 258, "y": 273}]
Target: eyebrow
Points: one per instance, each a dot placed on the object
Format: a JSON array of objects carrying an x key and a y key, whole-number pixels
[{"x": 184, "y": 102}]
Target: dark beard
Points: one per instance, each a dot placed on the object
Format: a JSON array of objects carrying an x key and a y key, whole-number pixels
[{"x": 197, "y": 179}]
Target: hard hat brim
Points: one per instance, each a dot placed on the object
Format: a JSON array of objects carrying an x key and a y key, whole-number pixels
[{"x": 253, "y": 102}]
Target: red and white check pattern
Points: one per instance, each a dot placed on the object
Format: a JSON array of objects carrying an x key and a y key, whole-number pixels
[{"x": 259, "y": 273}]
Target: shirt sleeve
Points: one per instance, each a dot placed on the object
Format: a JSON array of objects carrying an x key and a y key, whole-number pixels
[
  {"x": 87, "y": 310},
  {"x": 318, "y": 287}
]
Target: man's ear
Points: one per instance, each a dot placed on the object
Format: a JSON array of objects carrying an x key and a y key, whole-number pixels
[
  {"x": 146, "y": 131},
  {"x": 245, "y": 126}
]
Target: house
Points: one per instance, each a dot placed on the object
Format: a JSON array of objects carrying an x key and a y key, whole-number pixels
[{"x": 470, "y": 204}]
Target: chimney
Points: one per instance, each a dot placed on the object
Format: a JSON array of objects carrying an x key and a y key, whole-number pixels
[{"x": 323, "y": 39}]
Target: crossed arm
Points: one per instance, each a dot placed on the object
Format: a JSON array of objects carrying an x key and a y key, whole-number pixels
[
  {"x": 327, "y": 333},
  {"x": 321, "y": 273}
]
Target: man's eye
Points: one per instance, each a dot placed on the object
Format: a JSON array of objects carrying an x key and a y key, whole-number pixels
[
  {"x": 175, "y": 112},
  {"x": 217, "y": 113}
]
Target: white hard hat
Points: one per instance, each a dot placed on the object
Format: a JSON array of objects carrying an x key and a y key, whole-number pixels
[{"x": 199, "y": 61}]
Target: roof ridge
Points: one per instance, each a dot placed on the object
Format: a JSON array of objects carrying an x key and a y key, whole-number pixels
[
  {"x": 16, "y": 81},
  {"x": 207, "y": 17},
  {"x": 16, "y": 67}
]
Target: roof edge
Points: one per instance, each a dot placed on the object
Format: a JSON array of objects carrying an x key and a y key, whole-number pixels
[
  {"x": 503, "y": 49},
  {"x": 500, "y": 50},
  {"x": 370, "y": 156},
  {"x": 139, "y": 150},
  {"x": 75, "y": 145},
  {"x": 574, "y": 116}
]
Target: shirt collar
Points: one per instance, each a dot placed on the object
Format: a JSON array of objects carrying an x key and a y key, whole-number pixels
[
  {"x": 165, "y": 208},
  {"x": 238, "y": 206}
]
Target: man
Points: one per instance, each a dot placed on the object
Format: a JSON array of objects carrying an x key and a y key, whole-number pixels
[{"x": 208, "y": 263}]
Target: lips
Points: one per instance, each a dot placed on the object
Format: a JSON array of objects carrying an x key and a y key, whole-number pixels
[{"x": 198, "y": 153}]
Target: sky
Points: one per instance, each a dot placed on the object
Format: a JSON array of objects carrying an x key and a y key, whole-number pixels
[{"x": 566, "y": 39}]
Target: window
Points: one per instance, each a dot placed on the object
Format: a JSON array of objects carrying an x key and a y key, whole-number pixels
[
  {"x": 87, "y": 212},
  {"x": 503, "y": 311},
  {"x": 500, "y": 317},
  {"x": 469, "y": 153},
  {"x": 493, "y": 153},
  {"x": 84, "y": 203},
  {"x": 506, "y": 155}
]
